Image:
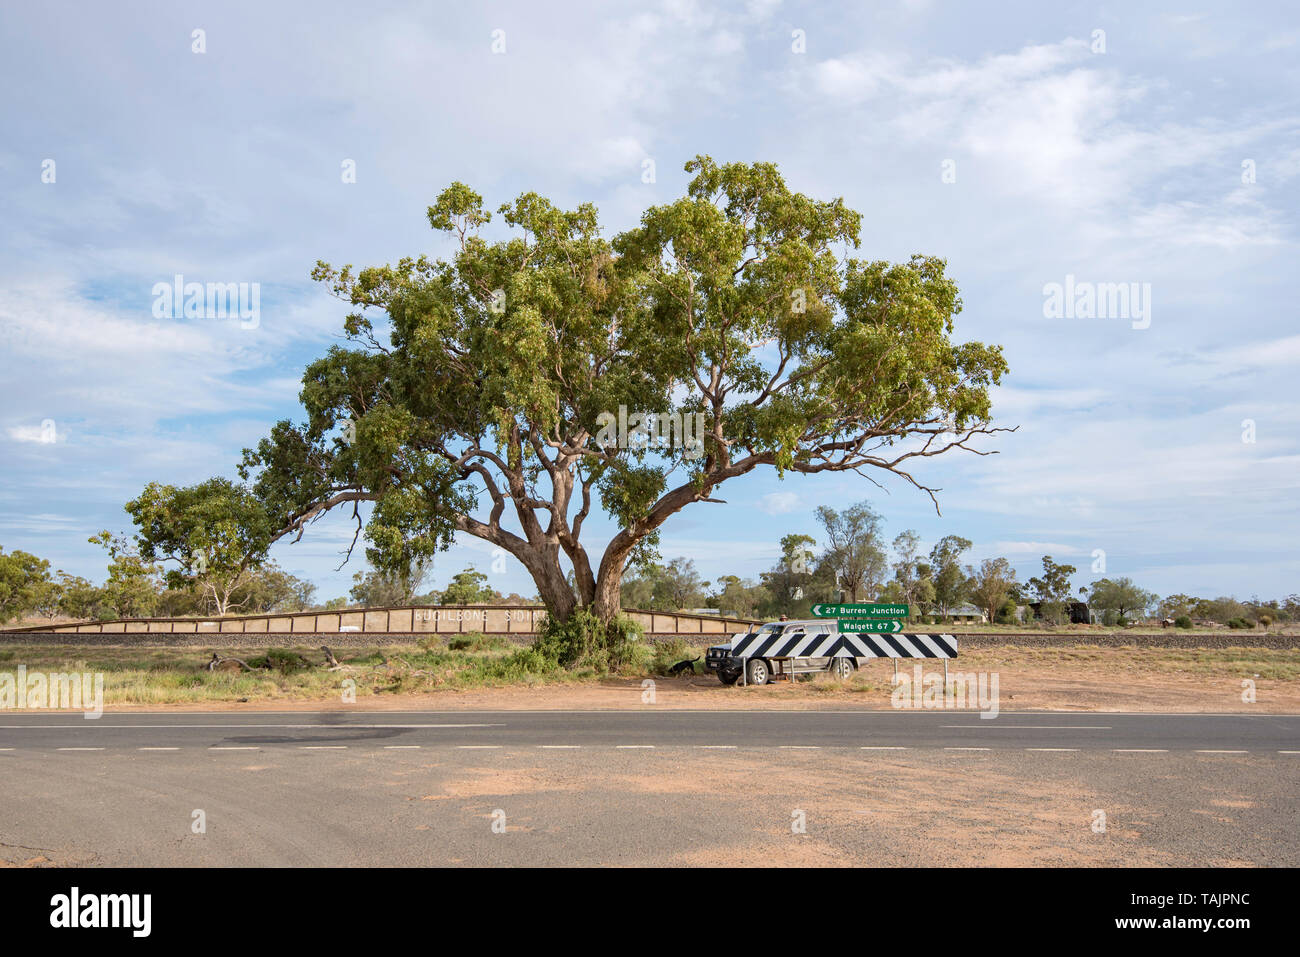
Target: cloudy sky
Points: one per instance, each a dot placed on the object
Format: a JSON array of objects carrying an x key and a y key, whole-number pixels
[{"x": 1025, "y": 146}]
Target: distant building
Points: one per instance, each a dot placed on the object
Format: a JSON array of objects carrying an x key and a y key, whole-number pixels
[
  {"x": 967, "y": 612},
  {"x": 714, "y": 611},
  {"x": 1079, "y": 611}
]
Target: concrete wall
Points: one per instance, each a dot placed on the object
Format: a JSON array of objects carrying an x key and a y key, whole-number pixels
[{"x": 489, "y": 619}]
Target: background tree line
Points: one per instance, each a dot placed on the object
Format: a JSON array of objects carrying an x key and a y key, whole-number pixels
[
  {"x": 856, "y": 562},
  {"x": 853, "y": 561},
  {"x": 135, "y": 587}
]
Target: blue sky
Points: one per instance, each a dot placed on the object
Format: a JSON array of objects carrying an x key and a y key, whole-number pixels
[{"x": 1114, "y": 165}]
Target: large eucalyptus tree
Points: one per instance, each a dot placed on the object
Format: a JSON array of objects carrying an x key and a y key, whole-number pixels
[{"x": 484, "y": 393}]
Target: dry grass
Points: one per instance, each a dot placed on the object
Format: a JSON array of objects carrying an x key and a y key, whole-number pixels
[{"x": 143, "y": 675}]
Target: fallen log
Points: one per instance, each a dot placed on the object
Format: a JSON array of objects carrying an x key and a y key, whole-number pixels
[{"x": 216, "y": 661}]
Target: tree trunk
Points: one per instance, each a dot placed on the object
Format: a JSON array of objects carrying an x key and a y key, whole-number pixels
[
  {"x": 608, "y": 601},
  {"x": 557, "y": 595}
]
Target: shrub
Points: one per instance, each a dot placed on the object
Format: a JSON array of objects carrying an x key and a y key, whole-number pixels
[
  {"x": 522, "y": 664},
  {"x": 477, "y": 641},
  {"x": 1183, "y": 621},
  {"x": 668, "y": 653},
  {"x": 1239, "y": 623},
  {"x": 280, "y": 659},
  {"x": 584, "y": 641}
]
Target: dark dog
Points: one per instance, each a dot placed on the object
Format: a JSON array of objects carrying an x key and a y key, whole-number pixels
[{"x": 682, "y": 667}]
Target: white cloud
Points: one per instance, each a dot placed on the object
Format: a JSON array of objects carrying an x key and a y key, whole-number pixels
[{"x": 779, "y": 503}]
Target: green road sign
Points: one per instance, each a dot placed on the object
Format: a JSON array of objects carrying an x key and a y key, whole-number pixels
[
  {"x": 861, "y": 626},
  {"x": 859, "y": 611}
]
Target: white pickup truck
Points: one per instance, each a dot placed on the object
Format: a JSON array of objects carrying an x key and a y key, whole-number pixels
[{"x": 807, "y": 646}]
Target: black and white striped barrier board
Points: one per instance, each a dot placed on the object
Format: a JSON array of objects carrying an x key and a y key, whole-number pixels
[{"x": 845, "y": 646}]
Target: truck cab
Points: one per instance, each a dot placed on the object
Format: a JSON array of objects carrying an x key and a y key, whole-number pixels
[{"x": 719, "y": 658}]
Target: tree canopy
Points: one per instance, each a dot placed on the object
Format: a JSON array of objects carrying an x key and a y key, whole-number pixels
[{"x": 504, "y": 391}]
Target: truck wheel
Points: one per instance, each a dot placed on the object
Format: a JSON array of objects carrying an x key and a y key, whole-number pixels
[
  {"x": 842, "y": 668},
  {"x": 756, "y": 671}
]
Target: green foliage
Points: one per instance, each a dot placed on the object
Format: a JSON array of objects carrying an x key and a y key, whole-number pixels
[
  {"x": 738, "y": 596},
  {"x": 1007, "y": 613},
  {"x": 1183, "y": 621},
  {"x": 1121, "y": 596},
  {"x": 585, "y": 641},
  {"x": 217, "y": 533},
  {"x": 1176, "y": 606},
  {"x": 478, "y": 642},
  {"x": 911, "y": 584},
  {"x": 385, "y": 587},
  {"x": 280, "y": 659},
  {"x": 990, "y": 586},
  {"x": 796, "y": 581},
  {"x": 950, "y": 584},
  {"x": 77, "y": 597},
  {"x": 133, "y": 583},
  {"x": 855, "y": 555},
  {"x": 667, "y": 653},
  {"x": 671, "y": 587},
  {"x": 1053, "y": 590},
  {"x": 269, "y": 588},
  {"x": 469, "y": 587},
  {"x": 24, "y": 583},
  {"x": 1222, "y": 610},
  {"x": 534, "y": 339}
]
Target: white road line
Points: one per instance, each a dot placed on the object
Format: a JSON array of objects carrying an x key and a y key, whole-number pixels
[
  {"x": 1051, "y": 749},
  {"x": 79, "y": 749},
  {"x": 100, "y": 725},
  {"x": 1280, "y": 752},
  {"x": 1140, "y": 750},
  {"x": 856, "y": 711},
  {"x": 1221, "y": 752},
  {"x": 1033, "y": 727}
]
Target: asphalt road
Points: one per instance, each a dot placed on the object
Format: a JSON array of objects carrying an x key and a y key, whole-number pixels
[{"x": 883, "y": 730}]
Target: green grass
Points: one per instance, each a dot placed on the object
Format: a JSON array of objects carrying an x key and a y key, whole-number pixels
[
  {"x": 471, "y": 661},
  {"x": 179, "y": 675},
  {"x": 1279, "y": 664}
]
